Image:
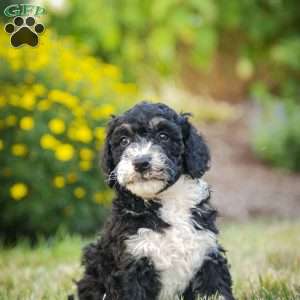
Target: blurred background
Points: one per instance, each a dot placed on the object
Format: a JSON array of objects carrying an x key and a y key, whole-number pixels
[{"x": 234, "y": 64}]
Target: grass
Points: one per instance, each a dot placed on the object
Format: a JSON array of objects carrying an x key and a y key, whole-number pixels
[{"x": 264, "y": 257}]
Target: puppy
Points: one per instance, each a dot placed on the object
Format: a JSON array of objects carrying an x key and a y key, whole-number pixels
[{"x": 160, "y": 242}]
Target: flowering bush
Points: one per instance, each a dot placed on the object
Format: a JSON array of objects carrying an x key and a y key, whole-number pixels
[{"x": 54, "y": 102}]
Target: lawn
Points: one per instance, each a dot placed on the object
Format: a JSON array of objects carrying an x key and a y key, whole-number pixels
[{"x": 264, "y": 257}]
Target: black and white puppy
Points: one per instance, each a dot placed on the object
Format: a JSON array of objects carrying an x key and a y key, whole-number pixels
[{"x": 160, "y": 242}]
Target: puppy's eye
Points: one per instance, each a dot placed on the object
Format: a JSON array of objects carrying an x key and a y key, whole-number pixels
[
  {"x": 163, "y": 136},
  {"x": 124, "y": 141}
]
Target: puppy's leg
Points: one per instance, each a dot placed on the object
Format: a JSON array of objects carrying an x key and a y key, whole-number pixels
[
  {"x": 141, "y": 281},
  {"x": 213, "y": 278},
  {"x": 188, "y": 294},
  {"x": 91, "y": 287}
]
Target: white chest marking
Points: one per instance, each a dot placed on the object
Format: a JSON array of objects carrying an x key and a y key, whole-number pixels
[{"x": 180, "y": 250}]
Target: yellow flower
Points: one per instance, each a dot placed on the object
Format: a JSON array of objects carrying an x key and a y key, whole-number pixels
[
  {"x": 39, "y": 89},
  {"x": 79, "y": 131},
  {"x": 99, "y": 133},
  {"x": 15, "y": 65},
  {"x": 19, "y": 149},
  {"x": 85, "y": 165},
  {"x": 125, "y": 88},
  {"x": 1, "y": 145},
  {"x": 57, "y": 126},
  {"x": 84, "y": 134},
  {"x": 14, "y": 100},
  {"x": 86, "y": 154},
  {"x": 11, "y": 120},
  {"x": 59, "y": 182},
  {"x": 104, "y": 111},
  {"x": 44, "y": 105},
  {"x": 71, "y": 178},
  {"x": 78, "y": 112},
  {"x": 72, "y": 133},
  {"x": 111, "y": 71},
  {"x": 98, "y": 197},
  {"x": 105, "y": 197},
  {"x": 26, "y": 123},
  {"x": 64, "y": 152},
  {"x": 2, "y": 101},
  {"x": 18, "y": 191},
  {"x": 64, "y": 98},
  {"x": 79, "y": 192},
  {"x": 28, "y": 100},
  {"x": 48, "y": 141},
  {"x": 71, "y": 75}
]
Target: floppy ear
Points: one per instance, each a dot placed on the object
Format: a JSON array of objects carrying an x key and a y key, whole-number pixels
[
  {"x": 196, "y": 154},
  {"x": 107, "y": 162}
]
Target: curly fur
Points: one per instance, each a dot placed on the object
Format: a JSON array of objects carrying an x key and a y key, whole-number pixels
[{"x": 161, "y": 239}]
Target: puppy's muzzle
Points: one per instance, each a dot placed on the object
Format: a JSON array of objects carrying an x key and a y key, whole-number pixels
[{"x": 142, "y": 163}]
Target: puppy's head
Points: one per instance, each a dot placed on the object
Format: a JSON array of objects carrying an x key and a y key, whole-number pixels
[{"x": 149, "y": 147}]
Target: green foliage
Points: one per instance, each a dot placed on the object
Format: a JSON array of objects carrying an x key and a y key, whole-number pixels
[
  {"x": 276, "y": 133},
  {"x": 154, "y": 33},
  {"x": 273, "y": 60},
  {"x": 271, "y": 288},
  {"x": 139, "y": 34},
  {"x": 55, "y": 101}
]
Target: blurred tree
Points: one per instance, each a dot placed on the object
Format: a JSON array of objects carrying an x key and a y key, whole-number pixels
[
  {"x": 258, "y": 39},
  {"x": 141, "y": 34}
]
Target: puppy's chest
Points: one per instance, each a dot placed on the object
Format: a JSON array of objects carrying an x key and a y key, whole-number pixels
[{"x": 177, "y": 252}]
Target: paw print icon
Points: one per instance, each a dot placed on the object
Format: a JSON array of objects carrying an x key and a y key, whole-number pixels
[{"x": 24, "y": 31}]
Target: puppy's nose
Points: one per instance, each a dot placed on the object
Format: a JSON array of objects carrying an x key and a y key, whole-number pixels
[{"x": 142, "y": 163}]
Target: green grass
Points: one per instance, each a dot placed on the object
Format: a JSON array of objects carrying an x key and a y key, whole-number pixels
[{"x": 264, "y": 257}]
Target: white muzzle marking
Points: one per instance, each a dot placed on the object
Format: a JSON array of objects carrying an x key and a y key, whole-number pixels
[{"x": 150, "y": 183}]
